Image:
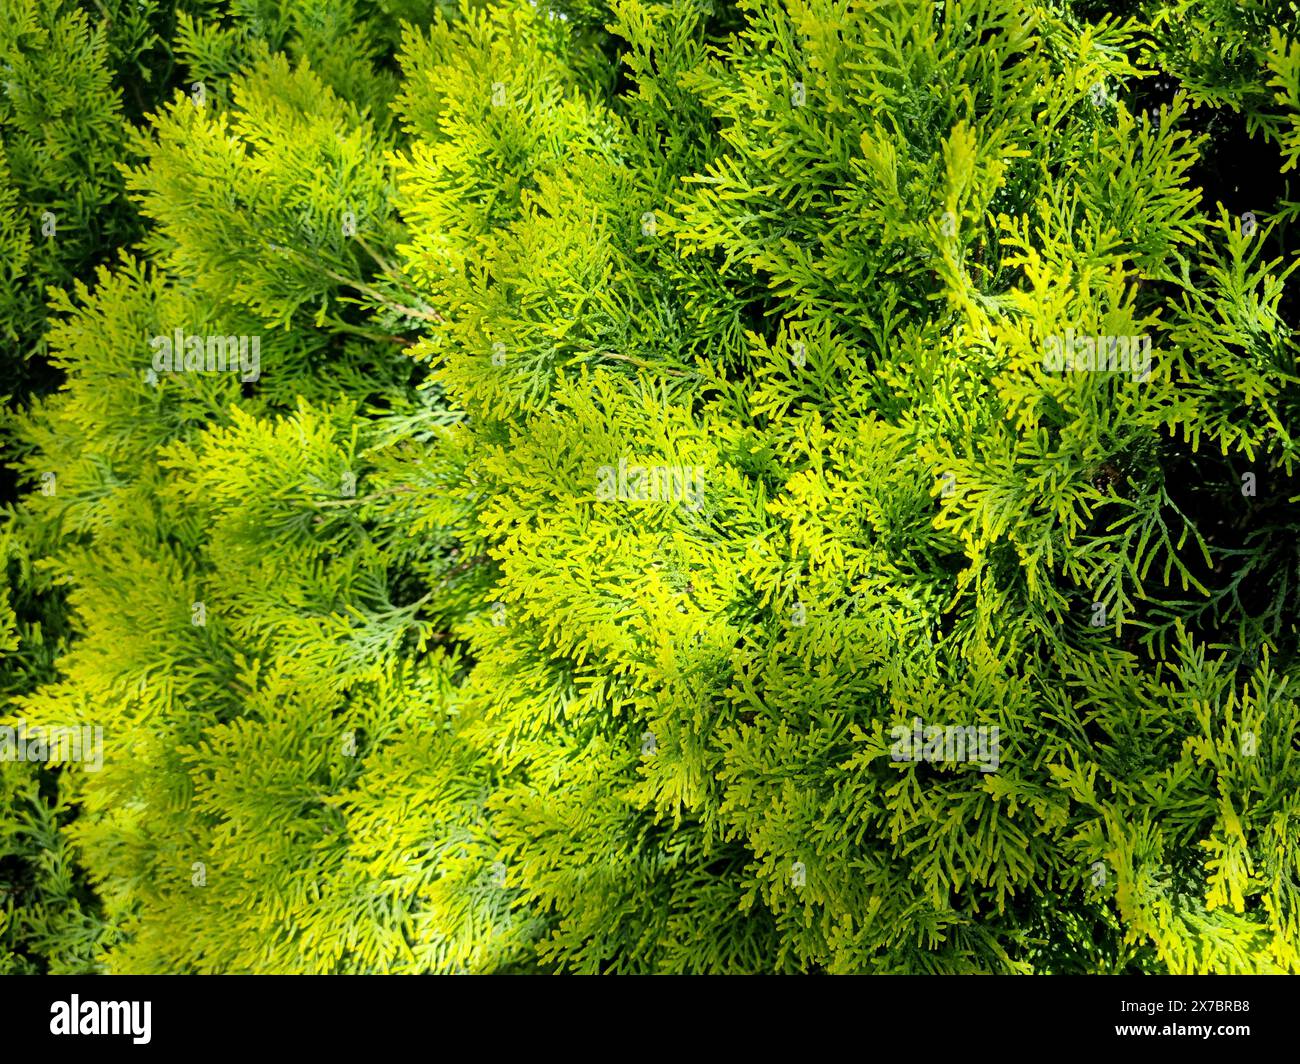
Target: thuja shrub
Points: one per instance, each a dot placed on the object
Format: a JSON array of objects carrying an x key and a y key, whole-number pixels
[{"x": 672, "y": 488}]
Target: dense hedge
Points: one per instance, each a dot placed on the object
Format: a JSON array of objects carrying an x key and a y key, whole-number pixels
[{"x": 651, "y": 417}]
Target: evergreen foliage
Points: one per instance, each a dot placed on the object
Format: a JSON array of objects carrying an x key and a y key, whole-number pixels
[{"x": 398, "y": 670}]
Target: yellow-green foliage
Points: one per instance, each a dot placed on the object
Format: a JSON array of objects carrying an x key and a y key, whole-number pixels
[{"x": 398, "y": 671}]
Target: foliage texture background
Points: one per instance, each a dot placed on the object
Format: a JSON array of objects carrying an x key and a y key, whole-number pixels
[{"x": 472, "y": 717}]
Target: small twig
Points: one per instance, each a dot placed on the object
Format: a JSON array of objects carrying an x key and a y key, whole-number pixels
[
  {"x": 642, "y": 363},
  {"x": 374, "y": 293},
  {"x": 365, "y": 289},
  {"x": 370, "y": 334},
  {"x": 366, "y": 498},
  {"x": 386, "y": 266}
]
